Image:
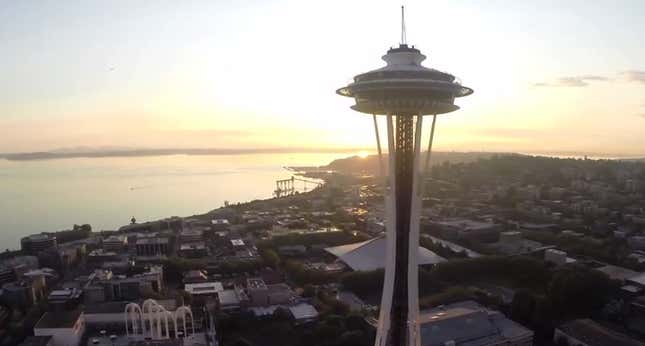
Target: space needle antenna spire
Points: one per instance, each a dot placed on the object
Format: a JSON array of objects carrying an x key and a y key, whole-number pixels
[{"x": 403, "y": 35}]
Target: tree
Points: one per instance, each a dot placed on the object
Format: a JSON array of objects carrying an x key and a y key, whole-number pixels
[
  {"x": 282, "y": 314},
  {"x": 270, "y": 258},
  {"x": 309, "y": 291},
  {"x": 579, "y": 291},
  {"x": 242, "y": 342},
  {"x": 522, "y": 306}
]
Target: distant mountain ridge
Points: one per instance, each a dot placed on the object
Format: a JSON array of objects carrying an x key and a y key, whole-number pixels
[{"x": 129, "y": 152}]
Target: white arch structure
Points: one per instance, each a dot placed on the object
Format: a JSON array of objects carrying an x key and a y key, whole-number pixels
[
  {"x": 132, "y": 317},
  {"x": 183, "y": 312},
  {"x": 151, "y": 320}
]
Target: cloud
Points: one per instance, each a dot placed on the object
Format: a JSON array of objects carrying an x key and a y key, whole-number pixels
[
  {"x": 637, "y": 76},
  {"x": 573, "y": 81}
]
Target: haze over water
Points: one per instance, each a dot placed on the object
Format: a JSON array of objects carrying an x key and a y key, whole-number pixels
[{"x": 52, "y": 195}]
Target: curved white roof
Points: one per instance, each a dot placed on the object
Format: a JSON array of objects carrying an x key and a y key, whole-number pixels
[{"x": 370, "y": 254}]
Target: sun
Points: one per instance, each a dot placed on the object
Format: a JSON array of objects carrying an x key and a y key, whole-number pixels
[{"x": 362, "y": 154}]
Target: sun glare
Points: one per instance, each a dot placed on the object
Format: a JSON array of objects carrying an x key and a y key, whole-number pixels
[{"x": 362, "y": 154}]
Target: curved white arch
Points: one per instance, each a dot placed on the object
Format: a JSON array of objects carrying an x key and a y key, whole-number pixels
[
  {"x": 184, "y": 311},
  {"x": 152, "y": 320},
  {"x": 132, "y": 317}
]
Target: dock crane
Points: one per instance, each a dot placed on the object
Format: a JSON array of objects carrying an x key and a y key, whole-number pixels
[{"x": 287, "y": 187}]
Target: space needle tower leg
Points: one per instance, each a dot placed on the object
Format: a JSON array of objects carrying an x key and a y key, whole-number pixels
[
  {"x": 413, "y": 258},
  {"x": 394, "y": 326},
  {"x": 384, "y": 324}
]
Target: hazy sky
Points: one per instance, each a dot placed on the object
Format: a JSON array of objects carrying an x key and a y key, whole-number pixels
[{"x": 548, "y": 75}]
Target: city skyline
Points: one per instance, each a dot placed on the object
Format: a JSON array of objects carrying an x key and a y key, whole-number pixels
[{"x": 551, "y": 77}]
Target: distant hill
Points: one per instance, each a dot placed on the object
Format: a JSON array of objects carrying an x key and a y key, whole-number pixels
[
  {"x": 124, "y": 152},
  {"x": 370, "y": 164}
]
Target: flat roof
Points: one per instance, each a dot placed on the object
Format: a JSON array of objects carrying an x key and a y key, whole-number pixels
[
  {"x": 61, "y": 319},
  {"x": 105, "y": 308},
  {"x": 193, "y": 246},
  {"x": 303, "y": 311},
  {"x": 192, "y": 232},
  {"x": 594, "y": 334},
  {"x": 155, "y": 240},
  {"x": 466, "y": 224},
  {"x": 256, "y": 283},
  {"x": 469, "y": 323},
  {"x": 237, "y": 242},
  {"x": 115, "y": 238},
  {"x": 38, "y": 237},
  {"x": 204, "y": 288},
  {"x": 638, "y": 279},
  {"x": 228, "y": 298},
  {"x": 618, "y": 273},
  {"x": 36, "y": 341}
]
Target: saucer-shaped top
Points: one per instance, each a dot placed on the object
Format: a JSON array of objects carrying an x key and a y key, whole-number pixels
[{"x": 404, "y": 87}]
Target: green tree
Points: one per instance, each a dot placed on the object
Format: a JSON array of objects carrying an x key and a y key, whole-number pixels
[
  {"x": 270, "y": 258},
  {"x": 522, "y": 306},
  {"x": 579, "y": 291}
]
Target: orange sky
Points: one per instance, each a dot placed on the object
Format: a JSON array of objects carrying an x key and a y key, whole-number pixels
[{"x": 547, "y": 77}]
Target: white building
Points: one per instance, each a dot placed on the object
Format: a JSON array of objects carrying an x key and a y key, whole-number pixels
[
  {"x": 468, "y": 323},
  {"x": 66, "y": 327},
  {"x": 370, "y": 255}
]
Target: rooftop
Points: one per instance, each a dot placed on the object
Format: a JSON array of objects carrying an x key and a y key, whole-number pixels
[
  {"x": 368, "y": 255},
  {"x": 594, "y": 334},
  {"x": 60, "y": 319},
  {"x": 466, "y": 224},
  {"x": 256, "y": 284},
  {"x": 191, "y": 232},
  {"x": 237, "y": 242},
  {"x": 115, "y": 239},
  {"x": 638, "y": 279},
  {"x": 152, "y": 241},
  {"x": 204, "y": 288},
  {"x": 468, "y": 323},
  {"x": 618, "y": 273},
  {"x": 193, "y": 246},
  {"x": 228, "y": 298},
  {"x": 303, "y": 311},
  {"x": 38, "y": 237},
  {"x": 36, "y": 341}
]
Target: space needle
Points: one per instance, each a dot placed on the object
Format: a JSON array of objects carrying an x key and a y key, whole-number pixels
[{"x": 404, "y": 92}]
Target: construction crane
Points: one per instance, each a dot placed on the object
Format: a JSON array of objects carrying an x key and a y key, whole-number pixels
[{"x": 287, "y": 187}]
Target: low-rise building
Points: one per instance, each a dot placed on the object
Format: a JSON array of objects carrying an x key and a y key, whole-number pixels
[
  {"x": 65, "y": 299},
  {"x": 66, "y": 328},
  {"x": 204, "y": 288},
  {"x": 482, "y": 231},
  {"x": 229, "y": 300},
  {"x": 585, "y": 332},
  {"x": 220, "y": 225},
  {"x": 261, "y": 294},
  {"x": 36, "y": 243},
  {"x": 154, "y": 246},
  {"x": 292, "y": 250},
  {"x": 193, "y": 250},
  {"x": 115, "y": 243},
  {"x": 37, "y": 341},
  {"x": 191, "y": 235},
  {"x": 468, "y": 323}
]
